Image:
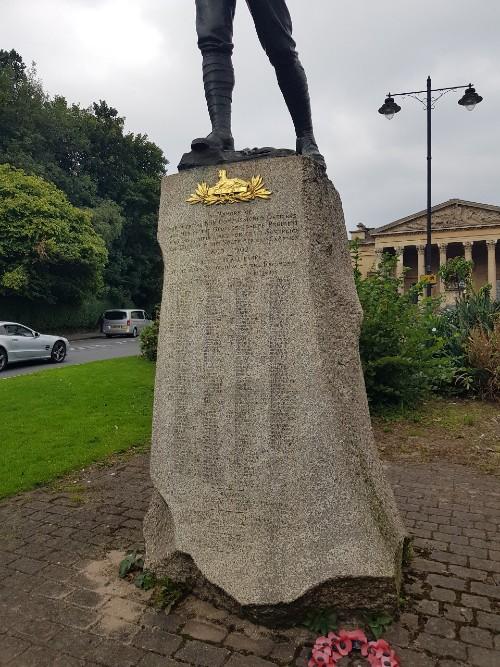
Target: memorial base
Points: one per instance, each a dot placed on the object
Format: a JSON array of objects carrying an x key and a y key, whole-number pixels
[
  {"x": 269, "y": 495},
  {"x": 351, "y": 596}
]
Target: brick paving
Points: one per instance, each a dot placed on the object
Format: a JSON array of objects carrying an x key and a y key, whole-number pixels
[{"x": 62, "y": 604}]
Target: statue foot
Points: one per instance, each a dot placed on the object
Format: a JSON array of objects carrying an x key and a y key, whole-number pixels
[
  {"x": 216, "y": 141},
  {"x": 307, "y": 146}
]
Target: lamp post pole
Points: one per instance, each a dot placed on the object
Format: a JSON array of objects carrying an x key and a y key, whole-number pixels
[
  {"x": 390, "y": 108},
  {"x": 428, "y": 246}
]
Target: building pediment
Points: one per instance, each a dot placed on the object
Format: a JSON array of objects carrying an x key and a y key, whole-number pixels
[{"x": 451, "y": 215}]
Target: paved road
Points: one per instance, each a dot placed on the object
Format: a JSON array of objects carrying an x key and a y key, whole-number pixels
[{"x": 81, "y": 352}]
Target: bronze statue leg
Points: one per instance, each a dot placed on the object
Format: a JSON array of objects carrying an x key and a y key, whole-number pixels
[
  {"x": 214, "y": 25},
  {"x": 274, "y": 29}
]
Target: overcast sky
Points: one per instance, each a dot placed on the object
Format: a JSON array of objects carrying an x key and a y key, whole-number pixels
[{"x": 141, "y": 57}]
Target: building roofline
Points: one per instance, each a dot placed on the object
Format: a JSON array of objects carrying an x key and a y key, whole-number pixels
[{"x": 437, "y": 207}]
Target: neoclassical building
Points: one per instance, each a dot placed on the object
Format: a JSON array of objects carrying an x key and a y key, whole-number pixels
[{"x": 458, "y": 228}]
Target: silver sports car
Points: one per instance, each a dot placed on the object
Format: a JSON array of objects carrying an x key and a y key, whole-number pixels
[{"x": 20, "y": 343}]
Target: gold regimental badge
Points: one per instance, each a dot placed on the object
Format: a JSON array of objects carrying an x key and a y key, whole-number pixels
[{"x": 229, "y": 190}]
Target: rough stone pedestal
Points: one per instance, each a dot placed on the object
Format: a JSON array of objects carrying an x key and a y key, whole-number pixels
[{"x": 269, "y": 493}]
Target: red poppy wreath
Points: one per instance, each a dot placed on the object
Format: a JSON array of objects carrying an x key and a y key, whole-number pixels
[{"x": 327, "y": 651}]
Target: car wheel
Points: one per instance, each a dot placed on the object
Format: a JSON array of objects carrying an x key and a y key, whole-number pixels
[
  {"x": 135, "y": 333},
  {"x": 4, "y": 359},
  {"x": 58, "y": 353},
  {"x": 108, "y": 335}
]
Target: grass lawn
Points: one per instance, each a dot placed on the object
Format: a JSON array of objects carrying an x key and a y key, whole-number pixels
[{"x": 55, "y": 421}]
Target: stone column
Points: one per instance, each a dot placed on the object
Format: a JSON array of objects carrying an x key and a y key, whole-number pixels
[
  {"x": 492, "y": 267},
  {"x": 400, "y": 265},
  {"x": 468, "y": 254},
  {"x": 468, "y": 250},
  {"x": 442, "y": 261},
  {"x": 421, "y": 260}
]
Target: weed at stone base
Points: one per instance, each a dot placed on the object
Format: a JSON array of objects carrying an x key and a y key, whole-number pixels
[
  {"x": 166, "y": 593},
  {"x": 377, "y": 624},
  {"x": 403, "y": 601},
  {"x": 408, "y": 552},
  {"x": 321, "y": 621},
  {"x": 132, "y": 562},
  {"x": 145, "y": 580}
]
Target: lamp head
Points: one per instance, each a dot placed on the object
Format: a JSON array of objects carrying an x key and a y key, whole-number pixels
[
  {"x": 389, "y": 108},
  {"x": 470, "y": 98}
]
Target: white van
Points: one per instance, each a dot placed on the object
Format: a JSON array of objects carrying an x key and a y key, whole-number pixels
[{"x": 122, "y": 322}]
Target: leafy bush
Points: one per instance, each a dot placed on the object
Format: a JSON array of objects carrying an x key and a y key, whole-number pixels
[
  {"x": 483, "y": 353},
  {"x": 456, "y": 273},
  {"x": 149, "y": 340},
  {"x": 401, "y": 349},
  {"x": 472, "y": 313}
]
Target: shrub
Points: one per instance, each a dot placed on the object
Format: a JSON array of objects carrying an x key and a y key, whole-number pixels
[
  {"x": 149, "y": 338},
  {"x": 483, "y": 353},
  {"x": 472, "y": 312},
  {"x": 457, "y": 274},
  {"x": 56, "y": 319},
  {"x": 400, "y": 347}
]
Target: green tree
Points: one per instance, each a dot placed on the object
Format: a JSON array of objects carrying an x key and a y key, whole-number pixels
[
  {"x": 88, "y": 154},
  {"x": 49, "y": 250},
  {"x": 107, "y": 220}
]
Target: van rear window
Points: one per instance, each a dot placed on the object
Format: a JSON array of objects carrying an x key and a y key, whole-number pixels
[{"x": 115, "y": 315}]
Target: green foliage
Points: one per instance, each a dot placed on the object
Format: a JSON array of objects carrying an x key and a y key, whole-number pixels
[
  {"x": 145, "y": 580},
  {"x": 377, "y": 624},
  {"x": 472, "y": 311},
  {"x": 483, "y": 354},
  {"x": 131, "y": 563},
  {"x": 321, "y": 621},
  {"x": 401, "y": 350},
  {"x": 108, "y": 221},
  {"x": 134, "y": 563},
  {"x": 49, "y": 250},
  {"x": 457, "y": 273},
  {"x": 89, "y": 156},
  {"x": 149, "y": 341},
  {"x": 167, "y": 593},
  {"x": 56, "y": 318},
  {"x": 11, "y": 62}
]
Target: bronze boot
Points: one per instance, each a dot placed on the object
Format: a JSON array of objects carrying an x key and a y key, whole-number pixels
[{"x": 218, "y": 79}]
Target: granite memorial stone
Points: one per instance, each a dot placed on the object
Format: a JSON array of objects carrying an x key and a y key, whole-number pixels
[{"x": 269, "y": 494}]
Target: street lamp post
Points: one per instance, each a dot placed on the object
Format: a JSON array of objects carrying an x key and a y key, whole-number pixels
[{"x": 390, "y": 108}]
